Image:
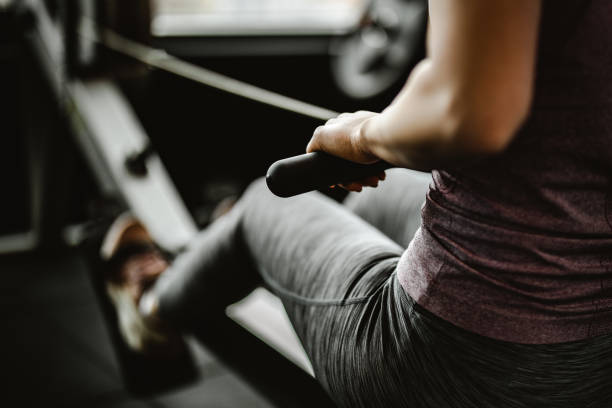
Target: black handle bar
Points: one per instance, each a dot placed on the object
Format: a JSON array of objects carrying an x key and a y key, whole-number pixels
[{"x": 313, "y": 171}]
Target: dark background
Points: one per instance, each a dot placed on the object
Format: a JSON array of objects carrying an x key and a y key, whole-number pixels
[{"x": 55, "y": 348}]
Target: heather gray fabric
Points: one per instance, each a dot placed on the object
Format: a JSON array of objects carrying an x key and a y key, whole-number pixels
[
  {"x": 306, "y": 247},
  {"x": 369, "y": 343}
]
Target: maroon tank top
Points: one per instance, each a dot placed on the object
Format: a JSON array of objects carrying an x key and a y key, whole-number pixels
[{"x": 518, "y": 247}]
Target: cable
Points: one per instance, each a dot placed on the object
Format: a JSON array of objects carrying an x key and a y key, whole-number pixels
[{"x": 162, "y": 60}]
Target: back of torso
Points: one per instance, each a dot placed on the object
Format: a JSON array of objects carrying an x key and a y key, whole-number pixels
[{"x": 519, "y": 246}]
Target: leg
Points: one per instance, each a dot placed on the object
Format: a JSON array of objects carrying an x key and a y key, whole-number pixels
[
  {"x": 369, "y": 344},
  {"x": 333, "y": 271},
  {"x": 306, "y": 244},
  {"x": 394, "y": 207}
]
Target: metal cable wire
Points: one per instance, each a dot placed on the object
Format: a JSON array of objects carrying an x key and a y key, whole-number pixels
[{"x": 162, "y": 60}]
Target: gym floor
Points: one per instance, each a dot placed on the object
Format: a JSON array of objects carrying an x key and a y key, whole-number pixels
[{"x": 56, "y": 349}]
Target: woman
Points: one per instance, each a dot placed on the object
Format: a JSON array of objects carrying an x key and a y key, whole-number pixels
[{"x": 503, "y": 297}]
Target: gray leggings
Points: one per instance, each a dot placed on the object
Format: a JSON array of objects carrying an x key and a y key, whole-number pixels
[{"x": 370, "y": 345}]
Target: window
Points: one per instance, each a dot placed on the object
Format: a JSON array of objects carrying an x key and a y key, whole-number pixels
[{"x": 255, "y": 17}]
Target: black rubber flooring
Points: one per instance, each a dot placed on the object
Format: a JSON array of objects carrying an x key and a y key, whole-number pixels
[{"x": 55, "y": 350}]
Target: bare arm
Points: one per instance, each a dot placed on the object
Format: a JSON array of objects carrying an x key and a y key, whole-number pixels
[{"x": 467, "y": 98}]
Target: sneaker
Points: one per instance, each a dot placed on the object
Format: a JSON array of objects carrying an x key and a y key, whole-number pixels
[{"x": 126, "y": 263}]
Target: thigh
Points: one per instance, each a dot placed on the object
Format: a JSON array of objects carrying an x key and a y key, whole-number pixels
[
  {"x": 310, "y": 248},
  {"x": 335, "y": 274},
  {"x": 394, "y": 207}
]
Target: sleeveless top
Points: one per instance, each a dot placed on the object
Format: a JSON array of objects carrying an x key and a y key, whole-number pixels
[{"x": 518, "y": 247}]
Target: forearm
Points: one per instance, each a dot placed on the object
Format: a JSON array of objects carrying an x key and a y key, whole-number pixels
[
  {"x": 432, "y": 123},
  {"x": 412, "y": 132}
]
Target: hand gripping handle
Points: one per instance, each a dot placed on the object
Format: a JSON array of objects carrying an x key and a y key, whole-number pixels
[{"x": 314, "y": 171}]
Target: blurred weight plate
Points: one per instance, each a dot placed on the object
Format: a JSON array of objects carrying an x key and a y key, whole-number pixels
[{"x": 382, "y": 50}]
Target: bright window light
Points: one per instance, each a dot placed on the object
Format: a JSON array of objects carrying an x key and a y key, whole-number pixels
[{"x": 255, "y": 17}]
